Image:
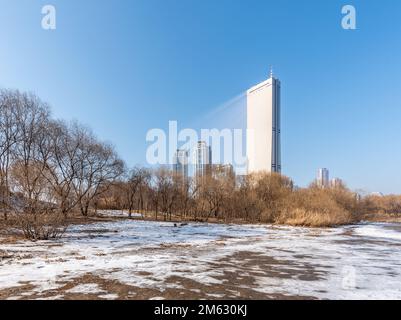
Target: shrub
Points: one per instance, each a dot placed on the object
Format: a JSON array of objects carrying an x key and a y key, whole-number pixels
[
  {"x": 314, "y": 208},
  {"x": 41, "y": 226}
]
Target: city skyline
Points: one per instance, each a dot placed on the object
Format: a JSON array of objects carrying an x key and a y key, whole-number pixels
[{"x": 145, "y": 70}]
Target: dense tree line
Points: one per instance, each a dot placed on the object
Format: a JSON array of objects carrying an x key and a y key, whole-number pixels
[{"x": 257, "y": 198}]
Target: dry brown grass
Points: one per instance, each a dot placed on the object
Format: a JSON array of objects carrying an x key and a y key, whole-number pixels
[
  {"x": 314, "y": 207},
  {"x": 301, "y": 217}
]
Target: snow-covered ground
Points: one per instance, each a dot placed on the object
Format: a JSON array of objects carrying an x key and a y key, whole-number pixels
[
  {"x": 118, "y": 214},
  {"x": 209, "y": 261}
]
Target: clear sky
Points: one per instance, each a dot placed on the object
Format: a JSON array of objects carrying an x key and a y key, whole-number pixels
[{"x": 124, "y": 67}]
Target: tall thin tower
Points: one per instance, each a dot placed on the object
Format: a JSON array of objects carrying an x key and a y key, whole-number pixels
[{"x": 263, "y": 124}]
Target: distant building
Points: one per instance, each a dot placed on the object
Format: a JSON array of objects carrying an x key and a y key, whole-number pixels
[
  {"x": 263, "y": 125},
  {"x": 223, "y": 171},
  {"x": 322, "y": 180},
  {"x": 180, "y": 163},
  {"x": 202, "y": 159},
  {"x": 336, "y": 183}
]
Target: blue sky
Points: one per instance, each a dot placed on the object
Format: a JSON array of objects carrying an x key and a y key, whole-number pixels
[{"x": 124, "y": 67}]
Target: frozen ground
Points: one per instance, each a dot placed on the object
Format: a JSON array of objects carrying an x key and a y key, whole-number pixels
[
  {"x": 118, "y": 214},
  {"x": 129, "y": 259}
]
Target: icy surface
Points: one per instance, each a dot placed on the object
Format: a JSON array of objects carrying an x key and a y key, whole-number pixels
[
  {"x": 354, "y": 262},
  {"x": 118, "y": 213},
  {"x": 86, "y": 288},
  {"x": 375, "y": 232}
]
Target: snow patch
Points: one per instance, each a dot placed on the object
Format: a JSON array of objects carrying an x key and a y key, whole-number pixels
[
  {"x": 110, "y": 296},
  {"x": 377, "y": 231},
  {"x": 118, "y": 214},
  {"x": 89, "y": 288}
]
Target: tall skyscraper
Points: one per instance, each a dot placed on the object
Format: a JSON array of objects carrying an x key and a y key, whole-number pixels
[
  {"x": 180, "y": 163},
  {"x": 263, "y": 124},
  {"x": 323, "y": 178},
  {"x": 203, "y": 159}
]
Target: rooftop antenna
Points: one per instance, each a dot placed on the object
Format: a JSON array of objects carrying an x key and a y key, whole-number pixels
[{"x": 271, "y": 72}]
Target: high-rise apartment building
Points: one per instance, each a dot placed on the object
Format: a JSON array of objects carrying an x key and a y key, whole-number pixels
[
  {"x": 336, "y": 183},
  {"x": 202, "y": 159},
  {"x": 322, "y": 180},
  {"x": 263, "y": 124}
]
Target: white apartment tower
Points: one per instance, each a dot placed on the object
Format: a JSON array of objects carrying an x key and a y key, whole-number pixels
[
  {"x": 202, "y": 159},
  {"x": 263, "y": 126}
]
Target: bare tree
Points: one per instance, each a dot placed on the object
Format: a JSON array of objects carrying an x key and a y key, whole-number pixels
[
  {"x": 186, "y": 190},
  {"x": 165, "y": 192},
  {"x": 134, "y": 188},
  {"x": 8, "y": 139},
  {"x": 32, "y": 117},
  {"x": 272, "y": 190},
  {"x": 62, "y": 159},
  {"x": 26, "y": 167},
  {"x": 98, "y": 165}
]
